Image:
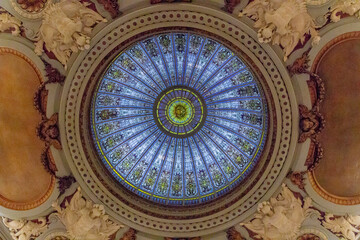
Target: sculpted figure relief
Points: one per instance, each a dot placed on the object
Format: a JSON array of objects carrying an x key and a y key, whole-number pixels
[
  {"x": 85, "y": 220},
  {"x": 8, "y": 22},
  {"x": 281, "y": 217},
  {"x": 24, "y": 229},
  {"x": 282, "y": 22},
  {"x": 66, "y": 28},
  {"x": 350, "y": 7},
  {"x": 345, "y": 227}
]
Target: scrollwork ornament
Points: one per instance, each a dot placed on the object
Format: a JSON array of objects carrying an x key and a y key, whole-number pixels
[
  {"x": 282, "y": 22},
  {"x": 9, "y": 23},
  {"x": 281, "y": 217},
  {"x": 343, "y": 226},
  {"x": 25, "y": 229},
  {"x": 297, "y": 178},
  {"x": 85, "y": 220},
  {"x": 66, "y": 28},
  {"x": 349, "y": 7}
]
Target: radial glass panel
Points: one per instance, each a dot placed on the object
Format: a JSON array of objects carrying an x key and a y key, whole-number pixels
[{"x": 179, "y": 119}]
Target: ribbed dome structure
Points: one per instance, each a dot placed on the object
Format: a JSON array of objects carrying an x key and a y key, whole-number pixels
[{"x": 179, "y": 119}]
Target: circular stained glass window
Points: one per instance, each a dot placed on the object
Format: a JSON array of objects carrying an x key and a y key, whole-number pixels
[{"x": 179, "y": 119}]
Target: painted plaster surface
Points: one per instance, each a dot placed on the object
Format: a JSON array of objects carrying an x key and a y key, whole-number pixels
[
  {"x": 22, "y": 176},
  {"x": 338, "y": 172}
]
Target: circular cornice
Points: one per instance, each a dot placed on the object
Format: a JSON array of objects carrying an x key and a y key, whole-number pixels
[{"x": 151, "y": 218}]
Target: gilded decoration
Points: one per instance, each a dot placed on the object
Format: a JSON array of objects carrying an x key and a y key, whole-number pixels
[
  {"x": 32, "y": 5},
  {"x": 25, "y": 229},
  {"x": 281, "y": 217},
  {"x": 284, "y": 23},
  {"x": 311, "y": 121}
]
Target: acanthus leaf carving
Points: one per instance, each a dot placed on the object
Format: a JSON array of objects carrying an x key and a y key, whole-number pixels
[
  {"x": 25, "y": 229},
  {"x": 85, "y": 220},
  {"x": 66, "y": 28},
  {"x": 281, "y": 217},
  {"x": 343, "y": 226},
  {"x": 9, "y": 23},
  {"x": 349, "y": 7},
  {"x": 282, "y": 22}
]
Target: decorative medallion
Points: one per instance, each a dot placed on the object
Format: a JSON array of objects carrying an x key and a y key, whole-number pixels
[{"x": 179, "y": 119}]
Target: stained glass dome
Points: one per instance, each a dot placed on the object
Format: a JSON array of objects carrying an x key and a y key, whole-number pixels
[{"x": 179, "y": 119}]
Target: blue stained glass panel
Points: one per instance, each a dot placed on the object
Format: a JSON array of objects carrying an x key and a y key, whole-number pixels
[{"x": 179, "y": 117}]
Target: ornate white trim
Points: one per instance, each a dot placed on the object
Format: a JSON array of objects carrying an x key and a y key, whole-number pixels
[
  {"x": 8, "y": 22},
  {"x": 66, "y": 28},
  {"x": 343, "y": 226},
  {"x": 350, "y": 7},
  {"x": 85, "y": 220},
  {"x": 201, "y": 18},
  {"x": 25, "y": 230},
  {"x": 284, "y": 23},
  {"x": 281, "y": 217},
  {"x": 26, "y": 14}
]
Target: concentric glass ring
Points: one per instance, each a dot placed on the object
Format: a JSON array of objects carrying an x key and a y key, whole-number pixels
[
  {"x": 179, "y": 111},
  {"x": 179, "y": 119}
]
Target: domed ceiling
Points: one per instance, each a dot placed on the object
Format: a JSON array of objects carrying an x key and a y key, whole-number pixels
[
  {"x": 159, "y": 119},
  {"x": 179, "y": 117}
]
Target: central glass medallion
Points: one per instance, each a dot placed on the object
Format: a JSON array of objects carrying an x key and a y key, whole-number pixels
[
  {"x": 179, "y": 119},
  {"x": 179, "y": 111}
]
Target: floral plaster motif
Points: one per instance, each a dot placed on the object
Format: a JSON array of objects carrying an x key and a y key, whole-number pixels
[
  {"x": 9, "y": 23},
  {"x": 66, "y": 28},
  {"x": 297, "y": 178},
  {"x": 308, "y": 236},
  {"x": 32, "y": 5},
  {"x": 281, "y": 217},
  {"x": 350, "y": 7},
  {"x": 345, "y": 226},
  {"x": 85, "y": 220},
  {"x": 282, "y": 22},
  {"x": 24, "y": 229}
]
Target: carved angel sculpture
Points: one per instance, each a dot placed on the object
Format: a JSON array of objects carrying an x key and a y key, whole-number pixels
[
  {"x": 66, "y": 28},
  {"x": 8, "y": 22},
  {"x": 24, "y": 229},
  {"x": 282, "y": 22},
  {"x": 343, "y": 226},
  {"x": 85, "y": 220},
  {"x": 351, "y": 7},
  {"x": 279, "y": 218}
]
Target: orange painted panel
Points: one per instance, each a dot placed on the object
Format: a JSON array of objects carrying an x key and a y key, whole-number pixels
[
  {"x": 338, "y": 172},
  {"x": 24, "y": 183}
]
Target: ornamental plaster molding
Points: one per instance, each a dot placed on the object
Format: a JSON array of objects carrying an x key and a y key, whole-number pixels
[
  {"x": 156, "y": 219},
  {"x": 345, "y": 227},
  {"x": 284, "y": 23},
  {"x": 349, "y": 7},
  {"x": 30, "y": 9},
  {"x": 25, "y": 229},
  {"x": 281, "y": 217},
  {"x": 66, "y": 28},
  {"x": 10, "y": 23},
  {"x": 85, "y": 220}
]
